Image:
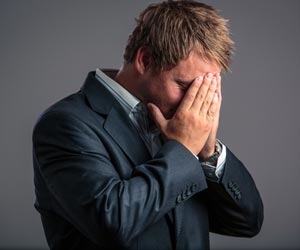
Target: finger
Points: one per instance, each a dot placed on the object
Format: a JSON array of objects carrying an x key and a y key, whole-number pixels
[
  {"x": 211, "y": 112},
  {"x": 190, "y": 94},
  {"x": 202, "y": 92},
  {"x": 157, "y": 116},
  {"x": 219, "y": 91},
  {"x": 209, "y": 96}
]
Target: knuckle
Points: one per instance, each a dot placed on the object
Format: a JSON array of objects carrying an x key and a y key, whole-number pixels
[
  {"x": 201, "y": 96},
  {"x": 180, "y": 115},
  {"x": 206, "y": 103},
  {"x": 193, "y": 118},
  {"x": 211, "y": 113}
]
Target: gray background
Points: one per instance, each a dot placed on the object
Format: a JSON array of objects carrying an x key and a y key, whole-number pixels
[{"x": 47, "y": 48}]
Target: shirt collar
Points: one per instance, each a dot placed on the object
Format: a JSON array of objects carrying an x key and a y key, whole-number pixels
[
  {"x": 129, "y": 102},
  {"x": 126, "y": 99}
]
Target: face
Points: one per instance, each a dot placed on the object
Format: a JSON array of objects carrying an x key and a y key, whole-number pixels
[{"x": 166, "y": 89}]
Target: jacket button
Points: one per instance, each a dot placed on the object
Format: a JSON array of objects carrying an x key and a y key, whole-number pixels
[
  {"x": 193, "y": 187},
  {"x": 230, "y": 184},
  {"x": 237, "y": 191},
  {"x": 187, "y": 192},
  {"x": 179, "y": 199}
]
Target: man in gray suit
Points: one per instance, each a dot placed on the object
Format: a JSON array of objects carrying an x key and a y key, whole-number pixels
[{"x": 132, "y": 160}]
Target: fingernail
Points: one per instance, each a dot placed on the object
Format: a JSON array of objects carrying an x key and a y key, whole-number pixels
[
  {"x": 200, "y": 78},
  {"x": 209, "y": 75}
]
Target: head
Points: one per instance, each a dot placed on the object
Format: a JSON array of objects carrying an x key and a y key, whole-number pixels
[
  {"x": 172, "y": 29},
  {"x": 173, "y": 43}
]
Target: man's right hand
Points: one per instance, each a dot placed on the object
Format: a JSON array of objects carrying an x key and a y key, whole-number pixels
[{"x": 192, "y": 122}]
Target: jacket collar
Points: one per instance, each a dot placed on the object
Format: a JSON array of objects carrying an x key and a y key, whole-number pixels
[
  {"x": 99, "y": 98},
  {"x": 117, "y": 123}
]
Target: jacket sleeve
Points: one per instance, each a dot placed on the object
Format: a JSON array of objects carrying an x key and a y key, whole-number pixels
[
  {"x": 235, "y": 205},
  {"x": 88, "y": 191}
]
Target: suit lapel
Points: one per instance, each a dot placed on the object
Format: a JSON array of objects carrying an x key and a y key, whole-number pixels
[
  {"x": 125, "y": 135},
  {"x": 117, "y": 123}
]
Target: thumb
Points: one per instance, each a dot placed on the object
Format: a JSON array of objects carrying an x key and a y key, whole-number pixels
[{"x": 157, "y": 116}]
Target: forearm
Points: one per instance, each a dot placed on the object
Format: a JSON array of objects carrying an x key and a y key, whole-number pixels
[
  {"x": 153, "y": 190},
  {"x": 95, "y": 195}
]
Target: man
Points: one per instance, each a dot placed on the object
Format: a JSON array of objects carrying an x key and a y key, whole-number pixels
[{"x": 132, "y": 160}]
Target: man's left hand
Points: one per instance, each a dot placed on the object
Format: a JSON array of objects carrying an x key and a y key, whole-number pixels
[{"x": 209, "y": 147}]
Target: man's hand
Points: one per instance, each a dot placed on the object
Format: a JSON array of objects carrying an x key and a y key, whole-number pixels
[
  {"x": 193, "y": 122},
  {"x": 209, "y": 147}
]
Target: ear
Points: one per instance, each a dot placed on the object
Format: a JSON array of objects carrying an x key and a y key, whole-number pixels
[{"x": 143, "y": 60}]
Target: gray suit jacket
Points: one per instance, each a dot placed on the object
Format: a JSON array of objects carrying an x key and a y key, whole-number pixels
[{"x": 97, "y": 187}]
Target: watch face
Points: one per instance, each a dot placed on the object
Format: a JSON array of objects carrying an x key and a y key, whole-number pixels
[{"x": 215, "y": 157}]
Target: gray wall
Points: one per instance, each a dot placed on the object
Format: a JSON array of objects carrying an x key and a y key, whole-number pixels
[{"x": 47, "y": 47}]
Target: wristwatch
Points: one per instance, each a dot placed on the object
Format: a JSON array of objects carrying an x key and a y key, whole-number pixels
[{"x": 213, "y": 159}]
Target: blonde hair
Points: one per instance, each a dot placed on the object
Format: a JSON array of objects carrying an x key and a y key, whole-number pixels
[{"x": 172, "y": 29}]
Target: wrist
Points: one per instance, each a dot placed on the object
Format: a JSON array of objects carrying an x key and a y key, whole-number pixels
[
  {"x": 208, "y": 150},
  {"x": 212, "y": 157},
  {"x": 205, "y": 153}
]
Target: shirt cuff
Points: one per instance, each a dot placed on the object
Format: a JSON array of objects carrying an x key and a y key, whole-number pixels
[
  {"x": 214, "y": 173},
  {"x": 221, "y": 161}
]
